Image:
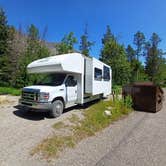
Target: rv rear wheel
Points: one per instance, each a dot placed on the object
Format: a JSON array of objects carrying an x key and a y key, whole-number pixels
[{"x": 57, "y": 108}]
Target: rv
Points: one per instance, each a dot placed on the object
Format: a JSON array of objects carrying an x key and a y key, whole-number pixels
[{"x": 68, "y": 80}]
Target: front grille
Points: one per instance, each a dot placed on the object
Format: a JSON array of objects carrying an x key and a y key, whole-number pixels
[{"x": 30, "y": 95}]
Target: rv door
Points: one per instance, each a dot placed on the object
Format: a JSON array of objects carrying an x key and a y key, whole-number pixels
[{"x": 71, "y": 89}]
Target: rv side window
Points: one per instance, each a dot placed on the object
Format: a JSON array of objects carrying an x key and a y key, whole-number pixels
[
  {"x": 70, "y": 82},
  {"x": 98, "y": 74},
  {"x": 106, "y": 73}
]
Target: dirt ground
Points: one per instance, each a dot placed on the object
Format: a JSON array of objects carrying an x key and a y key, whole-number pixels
[
  {"x": 139, "y": 139},
  {"x": 21, "y": 131}
]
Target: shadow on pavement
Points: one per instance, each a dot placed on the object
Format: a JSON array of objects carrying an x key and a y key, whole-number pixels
[
  {"x": 36, "y": 116},
  {"x": 30, "y": 115},
  {"x": 148, "y": 112}
]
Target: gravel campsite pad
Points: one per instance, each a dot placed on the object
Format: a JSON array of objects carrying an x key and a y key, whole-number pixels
[{"x": 138, "y": 139}]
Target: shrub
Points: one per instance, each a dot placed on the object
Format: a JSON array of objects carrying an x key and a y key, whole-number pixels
[
  {"x": 128, "y": 101},
  {"x": 9, "y": 90}
]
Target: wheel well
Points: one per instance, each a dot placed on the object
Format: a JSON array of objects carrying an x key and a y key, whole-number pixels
[
  {"x": 101, "y": 96},
  {"x": 59, "y": 98}
]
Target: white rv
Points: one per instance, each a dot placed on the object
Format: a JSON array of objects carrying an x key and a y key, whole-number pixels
[{"x": 70, "y": 79}]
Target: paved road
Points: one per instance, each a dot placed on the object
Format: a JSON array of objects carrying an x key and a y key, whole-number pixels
[
  {"x": 138, "y": 140},
  {"x": 144, "y": 145}
]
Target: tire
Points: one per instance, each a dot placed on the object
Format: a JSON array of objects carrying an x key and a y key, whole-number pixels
[
  {"x": 101, "y": 97},
  {"x": 57, "y": 108}
]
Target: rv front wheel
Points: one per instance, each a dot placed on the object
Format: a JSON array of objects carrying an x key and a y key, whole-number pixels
[{"x": 57, "y": 108}]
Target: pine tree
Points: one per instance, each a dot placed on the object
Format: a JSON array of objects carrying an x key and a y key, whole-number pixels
[
  {"x": 137, "y": 69},
  {"x": 17, "y": 46},
  {"x": 35, "y": 49},
  {"x": 155, "y": 62},
  {"x": 3, "y": 33},
  {"x": 114, "y": 54},
  {"x": 139, "y": 41},
  {"x": 107, "y": 37},
  {"x": 85, "y": 45},
  {"x": 67, "y": 44},
  {"x": 4, "y": 49},
  {"x": 130, "y": 53}
]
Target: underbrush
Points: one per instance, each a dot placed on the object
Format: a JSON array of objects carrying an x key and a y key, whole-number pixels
[
  {"x": 95, "y": 119},
  {"x": 9, "y": 90}
]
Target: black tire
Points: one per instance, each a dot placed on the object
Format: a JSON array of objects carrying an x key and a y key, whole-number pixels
[
  {"x": 101, "y": 97},
  {"x": 57, "y": 108}
]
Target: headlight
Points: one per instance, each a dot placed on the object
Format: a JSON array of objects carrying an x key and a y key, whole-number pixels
[{"x": 43, "y": 97}]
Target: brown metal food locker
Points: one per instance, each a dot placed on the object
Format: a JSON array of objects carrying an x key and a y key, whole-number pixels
[{"x": 146, "y": 96}]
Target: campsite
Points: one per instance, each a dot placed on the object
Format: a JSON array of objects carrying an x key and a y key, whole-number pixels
[{"x": 82, "y": 83}]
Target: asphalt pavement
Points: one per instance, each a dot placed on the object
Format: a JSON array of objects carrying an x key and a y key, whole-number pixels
[{"x": 143, "y": 145}]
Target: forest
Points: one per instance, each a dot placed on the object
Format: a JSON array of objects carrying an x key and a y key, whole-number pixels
[{"x": 18, "y": 48}]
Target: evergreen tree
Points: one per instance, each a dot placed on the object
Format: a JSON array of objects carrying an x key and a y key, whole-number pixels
[
  {"x": 17, "y": 47},
  {"x": 130, "y": 53},
  {"x": 114, "y": 54},
  {"x": 35, "y": 49},
  {"x": 135, "y": 66},
  {"x": 85, "y": 45},
  {"x": 3, "y": 33},
  {"x": 67, "y": 44},
  {"x": 4, "y": 49},
  {"x": 139, "y": 41},
  {"x": 107, "y": 37},
  {"x": 155, "y": 62}
]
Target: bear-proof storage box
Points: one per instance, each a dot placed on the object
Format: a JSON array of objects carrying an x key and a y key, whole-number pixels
[{"x": 146, "y": 96}]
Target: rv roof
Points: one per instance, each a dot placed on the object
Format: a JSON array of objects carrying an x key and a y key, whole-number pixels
[{"x": 72, "y": 62}]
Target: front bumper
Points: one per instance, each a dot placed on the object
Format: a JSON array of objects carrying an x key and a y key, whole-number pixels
[{"x": 36, "y": 105}]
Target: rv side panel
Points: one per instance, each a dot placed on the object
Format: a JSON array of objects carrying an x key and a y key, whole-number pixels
[
  {"x": 88, "y": 75},
  {"x": 100, "y": 85},
  {"x": 97, "y": 77}
]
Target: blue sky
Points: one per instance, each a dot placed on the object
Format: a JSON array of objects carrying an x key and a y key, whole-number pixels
[{"x": 125, "y": 17}]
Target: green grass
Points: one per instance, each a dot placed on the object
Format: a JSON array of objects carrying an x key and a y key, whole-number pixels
[
  {"x": 74, "y": 119},
  {"x": 117, "y": 89},
  {"x": 59, "y": 125},
  {"x": 9, "y": 90},
  {"x": 94, "y": 120},
  {"x": 51, "y": 146}
]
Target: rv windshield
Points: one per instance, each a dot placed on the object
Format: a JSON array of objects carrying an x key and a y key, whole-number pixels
[{"x": 52, "y": 79}]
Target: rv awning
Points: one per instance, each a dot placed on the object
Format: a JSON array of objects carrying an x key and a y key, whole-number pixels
[{"x": 69, "y": 63}]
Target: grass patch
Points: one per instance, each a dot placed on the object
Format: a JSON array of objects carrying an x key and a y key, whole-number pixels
[
  {"x": 59, "y": 125},
  {"x": 74, "y": 119},
  {"x": 9, "y": 90},
  {"x": 51, "y": 146},
  {"x": 117, "y": 89},
  {"x": 94, "y": 120}
]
